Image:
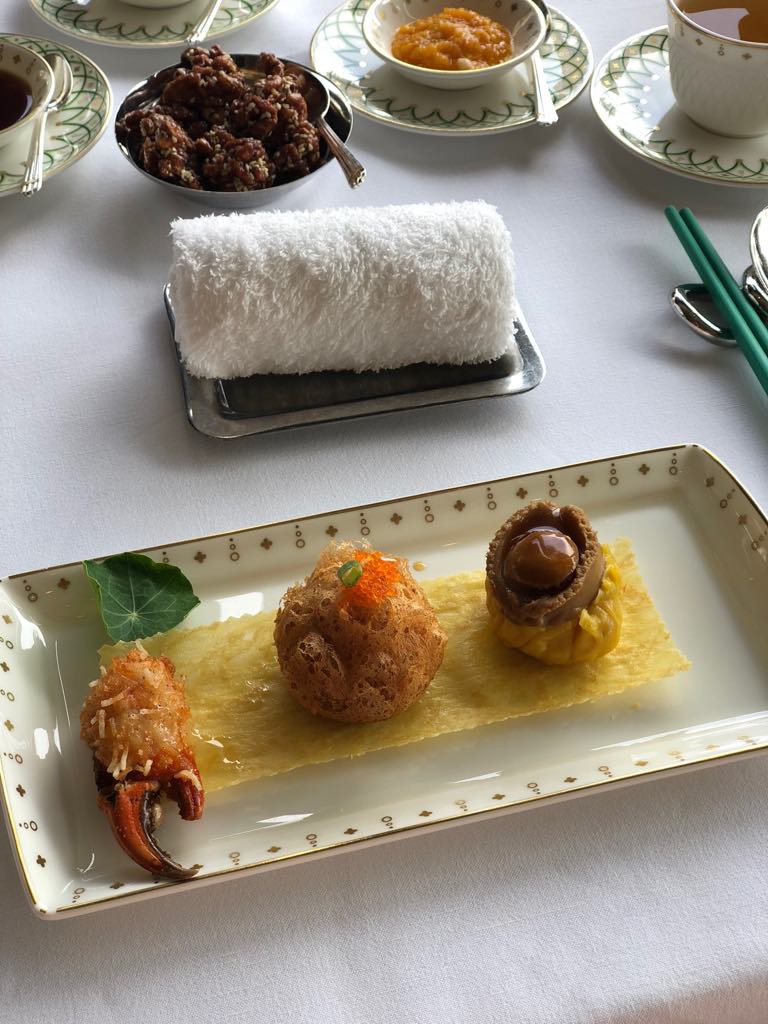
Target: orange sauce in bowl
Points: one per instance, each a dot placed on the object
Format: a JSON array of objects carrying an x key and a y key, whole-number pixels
[{"x": 456, "y": 39}]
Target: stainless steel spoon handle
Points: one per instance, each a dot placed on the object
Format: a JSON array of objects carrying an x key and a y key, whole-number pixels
[
  {"x": 353, "y": 170},
  {"x": 545, "y": 107},
  {"x": 33, "y": 175},
  {"x": 203, "y": 25}
]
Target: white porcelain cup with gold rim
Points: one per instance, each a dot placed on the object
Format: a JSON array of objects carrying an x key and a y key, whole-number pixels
[
  {"x": 719, "y": 82},
  {"x": 36, "y": 73}
]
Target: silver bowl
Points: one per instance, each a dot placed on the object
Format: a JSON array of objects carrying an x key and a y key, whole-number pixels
[{"x": 339, "y": 117}]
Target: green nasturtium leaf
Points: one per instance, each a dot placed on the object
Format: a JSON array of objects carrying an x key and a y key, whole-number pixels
[{"x": 138, "y": 597}]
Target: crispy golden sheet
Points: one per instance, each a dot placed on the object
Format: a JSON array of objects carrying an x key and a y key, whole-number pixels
[{"x": 247, "y": 726}]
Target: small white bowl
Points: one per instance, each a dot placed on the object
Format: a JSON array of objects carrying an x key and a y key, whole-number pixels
[
  {"x": 36, "y": 72},
  {"x": 523, "y": 19}
]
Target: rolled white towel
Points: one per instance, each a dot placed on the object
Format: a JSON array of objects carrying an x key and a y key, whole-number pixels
[{"x": 346, "y": 289}]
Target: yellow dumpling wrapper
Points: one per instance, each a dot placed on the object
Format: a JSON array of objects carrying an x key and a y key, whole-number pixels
[
  {"x": 246, "y": 725},
  {"x": 592, "y": 634}
]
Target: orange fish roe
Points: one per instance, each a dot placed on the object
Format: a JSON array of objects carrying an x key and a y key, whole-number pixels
[
  {"x": 380, "y": 578},
  {"x": 453, "y": 40}
]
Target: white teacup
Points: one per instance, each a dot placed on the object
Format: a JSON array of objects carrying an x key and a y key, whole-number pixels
[
  {"x": 720, "y": 83},
  {"x": 36, "y": 72}
]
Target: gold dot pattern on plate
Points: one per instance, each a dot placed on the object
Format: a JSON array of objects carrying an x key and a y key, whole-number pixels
[{"x": 431, "y": 507}]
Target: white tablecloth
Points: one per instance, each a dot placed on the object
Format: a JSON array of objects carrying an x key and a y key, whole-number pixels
[{"x": 648, "y": 904}]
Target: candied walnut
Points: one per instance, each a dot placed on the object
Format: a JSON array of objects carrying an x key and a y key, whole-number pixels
[
  {"x": 215, "y": 57},
  {"x": 230, "y": 164},
  {"x": 252, "y": 117},
  {"x": 203, "y": 85},
  {"x": 271, "y": 65},
  {"x": 288, "y": 121},
  {"x": 167, "y": 151},
  {"x": 181, "y": 115},
  {"x": 128, "y": 128},
  {"x": 301, "y": 155}
]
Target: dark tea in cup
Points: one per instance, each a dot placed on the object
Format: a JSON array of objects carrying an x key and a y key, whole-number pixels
[
  {"x": 15, "y": 99},
  {"x": 735, "y": 19}
]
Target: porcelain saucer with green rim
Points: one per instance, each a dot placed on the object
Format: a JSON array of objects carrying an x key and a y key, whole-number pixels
[
  {"x": 339, "y": 51},
  {"x": 119, "y": 24},
  {"x": 632, "y": 96},
  {"x": 69, "y": 132}
]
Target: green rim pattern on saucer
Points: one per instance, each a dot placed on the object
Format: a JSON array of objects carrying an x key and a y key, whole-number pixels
[
  {"x": 117, "y": 24},
  {"x": 71, "y": 131},
  {"x": 632, "y": 96},
  {"x": 339, "y": 52}
]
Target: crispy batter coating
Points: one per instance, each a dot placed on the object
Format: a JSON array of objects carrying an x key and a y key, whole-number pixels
[
  {"x": 135, "y": 718},
  {"x": 266, "y": 138},
  {"x": 352, "y": 661}
]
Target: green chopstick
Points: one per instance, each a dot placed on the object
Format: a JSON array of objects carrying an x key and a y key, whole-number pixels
[{"x": 747, "y": 328}]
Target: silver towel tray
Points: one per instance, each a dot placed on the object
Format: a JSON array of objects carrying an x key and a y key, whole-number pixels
[{"x": 261, "y": 404}]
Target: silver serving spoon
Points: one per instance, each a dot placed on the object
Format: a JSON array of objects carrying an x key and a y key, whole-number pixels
[
  {"x": 33, "y": 175},
  {"x": 203, "y": 24},
  {"x": 318, "y": 101},
  {"x": 545, "y": 106}
]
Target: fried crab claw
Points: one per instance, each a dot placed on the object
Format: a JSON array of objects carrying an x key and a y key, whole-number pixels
[{"x": 135, "y": 720}]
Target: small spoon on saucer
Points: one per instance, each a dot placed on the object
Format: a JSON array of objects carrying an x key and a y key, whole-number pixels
[
  {"x": 33, "y": 175},
  {"x": 545, "y": 107},
  {"x": 318, "y": 101},
  {"x": 203, "y": 24}
]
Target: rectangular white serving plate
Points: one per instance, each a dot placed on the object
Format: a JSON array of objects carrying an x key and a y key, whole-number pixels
[{"x": 702, "y": 547}]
